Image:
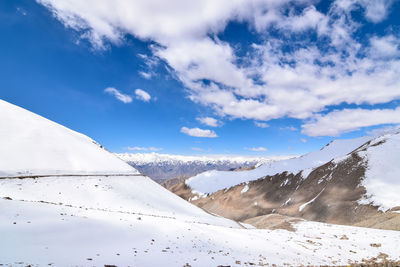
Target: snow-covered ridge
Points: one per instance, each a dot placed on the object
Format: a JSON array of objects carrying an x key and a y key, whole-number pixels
[
  {"x": 382, "y": 176},
  {"x": 33, "y": 145},
  {"x": 212, "y": 181}
]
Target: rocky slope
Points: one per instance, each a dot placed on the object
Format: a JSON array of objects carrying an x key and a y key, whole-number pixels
[{"x": 354, "y": 188}]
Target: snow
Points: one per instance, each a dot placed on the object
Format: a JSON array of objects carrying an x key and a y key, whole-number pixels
[
  {"x": 212, "y": 181},
  {"x": 122, "y": 194},
  {"x": 245, "y": 189},
  {"x": 111, "y": 226},
  {"x": 382, "y": 177},
  {"x": 311, "y": 201},
  {"x": 33, "y": 145}
]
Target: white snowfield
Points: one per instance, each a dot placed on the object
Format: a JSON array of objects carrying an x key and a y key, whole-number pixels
[
  {"x": 33, "y": 145},
  {"x": 131, "y": 221},
  {"x": 211, "y": 181},
  {"x": 122, "y": 194},
  {"x": 382, "y": 177}
]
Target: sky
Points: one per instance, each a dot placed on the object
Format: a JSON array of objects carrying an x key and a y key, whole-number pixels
[{"x": 243, "y": 77}]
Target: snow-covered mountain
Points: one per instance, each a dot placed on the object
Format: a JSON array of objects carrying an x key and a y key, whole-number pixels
[
  {"x": 212, "y": 181},
  {"x": 161, "y": 167},
  {"x": 346, "y": 182},
  {"x": 33, "y": 145},
  {"x": 92, "y": 209}
]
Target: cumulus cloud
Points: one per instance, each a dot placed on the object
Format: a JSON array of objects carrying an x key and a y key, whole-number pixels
[
  {"x": 376, "y": 10},
  {"x": 209, "y": 121},
  {"x": 346, "y": 120},
  {"x": 261, "y": 124},
  {"x": 384, "y": 47},
  {"x": 142, "y": 95},
  {"x": 257, "y": 149},
  {"x": 271, "y": 80},
  {"x": 197, "y": 132},
  {"x": 138, "y": 148},
  {"x": 117, "y": 94}
]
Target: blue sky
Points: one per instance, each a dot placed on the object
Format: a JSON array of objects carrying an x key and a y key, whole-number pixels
[{"x": 205, "y": 77}]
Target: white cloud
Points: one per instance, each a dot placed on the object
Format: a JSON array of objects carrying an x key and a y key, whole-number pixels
[
  {"x": 257, "y": 149},
  {"x": 117, "y": 94},
  {"x": 197, "y": 149},
  {"x": 142, "y": 95},
  {"x": 384, "y": 130},
  {"x": 197, "y": 132},
  {"x": 261, "y": 124},
  {"x": 138, "y": 148},
  {"x": 346, "y": 120},
  {"x": 145, "y": 75},
  {"x": 385, "y": 47},
  {"x": 270, "y": 81},
  {"x": 289, "y": 128},
  {"x": 303, "y": 140},
  {"x": 376, "y": 10},
  {"x": 209, "y": 121}
]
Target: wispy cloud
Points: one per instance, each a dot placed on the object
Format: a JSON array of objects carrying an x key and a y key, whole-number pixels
[
  {"x": 257, "y": 149},
  {"x": 197, "y": 132},
  {"x": 289, "y": 128},
  {"x": 146, "y": 75},
  {"x": 118, "y": 95},
  {"x": 209, "y": 121},
  {"x": 138, "y": 148},
  {"x": 261, "y": 124},
  {"x": 142, "y": 95}
]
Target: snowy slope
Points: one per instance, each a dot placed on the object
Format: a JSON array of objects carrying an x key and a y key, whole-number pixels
[
  {"x": 33, "y": 145},
  {"x": 212, "y": 181},
  {"x": 126, "y": 194},
  {"x": 382, "y": 177},
  {"x": 63, "y": 226}
]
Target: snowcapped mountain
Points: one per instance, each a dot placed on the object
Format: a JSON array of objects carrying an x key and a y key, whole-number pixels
[
  {"x": 212, "y": 181},
  {"x": 33, "y": 145},
  {"x": 75, "y": 204},
  {"x": 161, "y": 167},
  {"x": 346, "y": 182}
]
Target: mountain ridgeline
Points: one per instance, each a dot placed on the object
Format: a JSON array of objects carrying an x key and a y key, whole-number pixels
[{"x": 352, "y": 182}]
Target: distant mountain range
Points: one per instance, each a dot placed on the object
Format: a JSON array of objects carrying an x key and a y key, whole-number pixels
[{"x": 161, "y": 167}]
